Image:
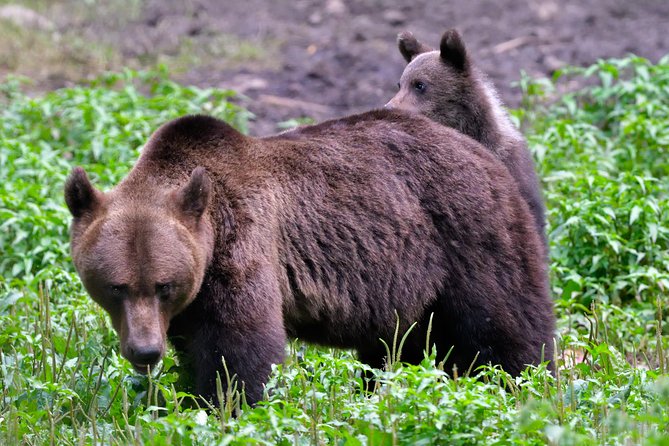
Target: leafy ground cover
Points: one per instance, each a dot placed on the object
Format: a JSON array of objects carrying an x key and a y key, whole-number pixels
[{"x": 603, "y": 153}]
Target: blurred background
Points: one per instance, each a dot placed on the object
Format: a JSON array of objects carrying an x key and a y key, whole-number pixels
[{"x": 315, "y": 58}]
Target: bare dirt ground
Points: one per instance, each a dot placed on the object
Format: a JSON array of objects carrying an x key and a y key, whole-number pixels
[{"x": 321, "y": 59}]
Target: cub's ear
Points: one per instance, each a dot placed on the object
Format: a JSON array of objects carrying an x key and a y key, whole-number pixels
[
  {"x": 80, "y": 195},
  {"x": 193, "y": 198},
  {"x": 409, "y": 46},
  {"x": 452, "y": 50}
]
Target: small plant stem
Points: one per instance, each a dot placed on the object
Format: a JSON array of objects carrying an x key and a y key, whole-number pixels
[{"x": 660, "y": 349}]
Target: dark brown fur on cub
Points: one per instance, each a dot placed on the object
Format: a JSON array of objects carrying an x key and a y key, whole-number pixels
[
  {"x": 446, "y": 86},
  {"x": 226, "y": 245}
]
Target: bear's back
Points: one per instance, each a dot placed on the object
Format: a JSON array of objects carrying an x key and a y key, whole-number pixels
[
  {"x": 389, "y": 192},
  {"x": 390, "y": 145}
]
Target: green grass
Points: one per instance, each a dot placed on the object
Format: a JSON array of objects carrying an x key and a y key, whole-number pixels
[
  {"x": 603, "y": 153},
  {"x": 45, "y": 56},
  {"x": 218, "y": 52},
  {"x": 78, "y": 40}
]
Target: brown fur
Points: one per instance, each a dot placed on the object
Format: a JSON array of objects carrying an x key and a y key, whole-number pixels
[
  {"x": 322, "y": 233},
  {"x": 446, "y": 86}
]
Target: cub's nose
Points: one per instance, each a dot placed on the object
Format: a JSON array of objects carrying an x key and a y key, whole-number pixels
[{"x": 145, "y": 355}]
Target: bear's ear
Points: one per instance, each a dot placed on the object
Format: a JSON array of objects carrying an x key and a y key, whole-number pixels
[
  {"x": 193, "y": 198},
  {"x": 452, "y": 50},
  {"x": 409, "y": 46},
  {"x": 80, "y": 195}
]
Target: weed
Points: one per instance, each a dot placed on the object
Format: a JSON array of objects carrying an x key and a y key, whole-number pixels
[{"x": 602, "y": 153}]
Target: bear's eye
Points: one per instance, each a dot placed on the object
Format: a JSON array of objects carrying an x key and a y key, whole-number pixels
[
  {"x": 118, "y": 291},
  {"x": 164, "y": 290},
  {"x": 399, "y": 87},
  {"x": 419, "y": 86}
]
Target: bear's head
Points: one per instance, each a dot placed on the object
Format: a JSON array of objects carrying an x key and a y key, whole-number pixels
[
  {"x": 141, "y": 253},
  {"x": 440, "y": 84}
]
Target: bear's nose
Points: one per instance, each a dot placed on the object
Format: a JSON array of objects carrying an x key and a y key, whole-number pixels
[{"x": 145, "y": 355}]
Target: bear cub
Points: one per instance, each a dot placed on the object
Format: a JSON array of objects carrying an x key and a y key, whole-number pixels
[
  {"x": 226, "y": 245},
  {"x": 446, "y": 86}
]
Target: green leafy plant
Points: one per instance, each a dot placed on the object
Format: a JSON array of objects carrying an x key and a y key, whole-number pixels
[{"x": 602, "y": 154}]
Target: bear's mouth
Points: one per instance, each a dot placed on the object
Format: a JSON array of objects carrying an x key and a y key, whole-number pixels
[{"x": 144, "y": 369}]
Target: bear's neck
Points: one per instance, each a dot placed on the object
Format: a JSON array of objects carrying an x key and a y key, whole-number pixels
[{"x": 493, "y": 128}]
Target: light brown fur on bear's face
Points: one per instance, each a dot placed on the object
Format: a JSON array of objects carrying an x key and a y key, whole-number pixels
[
  {"x": 141, "y": 258},
  {"x": 444, "y": 86},
  {"x": 433, "y": 88}
]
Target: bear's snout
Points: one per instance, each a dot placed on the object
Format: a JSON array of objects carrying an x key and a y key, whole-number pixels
[
  {"x": 401, "y": 101},
  {"x": 144, "y": 357},
  {"x": 143, "y": 328}
]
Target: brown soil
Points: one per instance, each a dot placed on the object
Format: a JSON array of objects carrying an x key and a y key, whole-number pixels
[{"x": 296, "y": 58}]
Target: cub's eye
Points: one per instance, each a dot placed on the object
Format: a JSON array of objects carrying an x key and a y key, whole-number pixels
[
  {"x": 164, "y": 290},
  {"x": 399, "y": 87},
  {"x": 118, "y": 291},
  {"x": 419, "y": 86}
]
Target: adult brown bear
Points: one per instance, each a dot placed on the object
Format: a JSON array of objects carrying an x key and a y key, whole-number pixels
[
  {"x": 226, "y": 244},
  {"x": 446, "y": 86}
]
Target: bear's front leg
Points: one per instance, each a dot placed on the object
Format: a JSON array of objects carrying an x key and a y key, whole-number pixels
[
  {"x": 239, "y": 323},
  {"x": 248, "y": 352}
]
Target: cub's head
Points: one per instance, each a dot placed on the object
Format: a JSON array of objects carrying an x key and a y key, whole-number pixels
[
  {"x": 141, "y": 253},
  {"x": 437, "y": 83}
]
